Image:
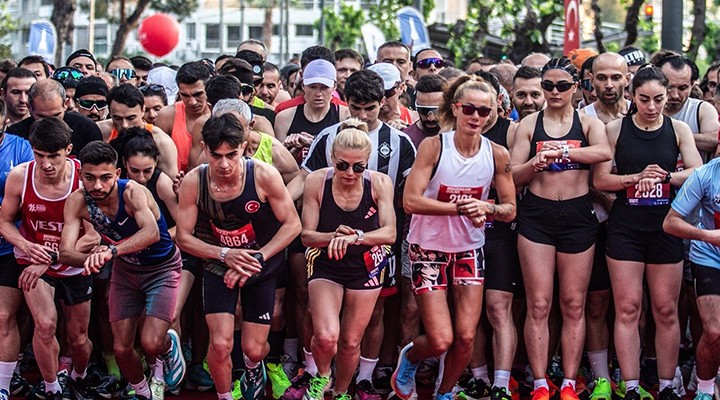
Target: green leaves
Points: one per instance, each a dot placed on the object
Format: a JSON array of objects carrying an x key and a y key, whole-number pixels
[
  {"x": 342, "y": 30},
  {"x": 7, "y": 26}
]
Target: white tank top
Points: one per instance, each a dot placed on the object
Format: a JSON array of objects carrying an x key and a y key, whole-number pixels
[{"x": 455, "y": 177}]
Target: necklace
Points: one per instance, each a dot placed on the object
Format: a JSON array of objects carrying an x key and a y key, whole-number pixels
[
  {"x": 647, "y": 127},
  {"x": 230, "y": 186}
]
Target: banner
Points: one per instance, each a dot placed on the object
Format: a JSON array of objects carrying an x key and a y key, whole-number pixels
[
  {"x": 43, "y": 39},
  {"x": 413, "y": 31},
  {"x": 373, "y": 38}
]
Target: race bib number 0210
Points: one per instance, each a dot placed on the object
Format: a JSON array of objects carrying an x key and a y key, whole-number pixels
[
  {"x": 659, "y": 195},
  {"x": 560, "y": 164},
  {"x": 453, "y": 194}
]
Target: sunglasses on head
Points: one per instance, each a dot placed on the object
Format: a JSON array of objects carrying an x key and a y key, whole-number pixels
[
  {"x": 585, "y": 84},
  {"x": 469, "y": 109},
  {"x": 152, "y": 88},
  {"x": 344, "y": 165},
  {"x": 89, "y": 104},
  {"x": 62, "y": 74},
  {"x": 561, "y": 86},
  {"x": 121, "y": 73},
  {"x": 427, "y": 62},
  {"x": 246, "y": 89},
  {"x": 426, "y": 110}
]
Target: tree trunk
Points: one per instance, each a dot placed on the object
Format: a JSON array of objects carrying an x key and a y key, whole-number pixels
[
  {"x": 598, "y": 26},
  {"x": 698, "y": 28},
  {"x": 631, "y": 21},
  {"x": 62, "y": 17},
  {"x": 523, "y": 44},
  {"x": 267, "y": 28},
  {"x": 127, "y": 25}
]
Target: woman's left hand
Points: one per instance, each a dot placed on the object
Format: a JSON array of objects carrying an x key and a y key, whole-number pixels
[{"x": 338, "y": 246}]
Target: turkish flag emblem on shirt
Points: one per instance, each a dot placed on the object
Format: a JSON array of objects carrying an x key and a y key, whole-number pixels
[{"x": 572, "y": 26}]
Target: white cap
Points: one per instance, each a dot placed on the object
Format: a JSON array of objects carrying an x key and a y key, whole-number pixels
[
  {"x": 320, "y": 71},
  {"x": 388, "y": 72},
  {"x": 164, "y": 77}
]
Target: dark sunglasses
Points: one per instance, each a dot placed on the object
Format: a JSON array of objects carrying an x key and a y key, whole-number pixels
[
  {"x": 88, "y": 104},
  {"x": 469, "y": 109},
  {"x": 427, "y": 62},
  {"x": 246, "y": 89},
  {"x": 561, "y": 86},
  {"x": 585, "y": 84},
  {"x": 121, "y": 73},
  {"x": 426, "y": 110},
  {"x": 62, "y": 74},
  {"x": 152, "y": 88},
  {"x": 344, "y": 165}
]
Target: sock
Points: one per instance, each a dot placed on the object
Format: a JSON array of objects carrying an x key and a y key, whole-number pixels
[
  {"x": 664, "y": 383},
  {"x": 599, "y": 363},
  {"x": 540, "y": 383},
  {"x": 481, "y": 372},
  {"x": 290, "y": 347},
  {"x": 632, "y": 385},
  {"x": 441, "y": 370},
  {"x": 502, "y": 379},
  {"x": 568, "y": 382},
  {"x": 75, "y": 376},
  {"x": 6, "y": 373},
  {"x": 236, "y": 355},
  {"x": 52, "y": 387},
  {"x": 224, "y": 396},
  {"x": 64, "y": 364},
  {"x": 249, "y": 364},
  {"x": 142, "y": 388},
  {"x": 706, "y": 386},
  {"x": 111, "y": 365},
  {"x": 366, "y": 368},
  {"x": 159, "y": 370},
  {"x": 276, "y": 340},
  {"x": 310, "y": 366}
]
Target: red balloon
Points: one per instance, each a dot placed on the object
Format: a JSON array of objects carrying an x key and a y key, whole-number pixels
[{"x": 159, "y": 34}]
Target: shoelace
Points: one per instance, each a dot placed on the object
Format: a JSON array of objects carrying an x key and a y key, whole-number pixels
[{"x": 317, "y": 386}]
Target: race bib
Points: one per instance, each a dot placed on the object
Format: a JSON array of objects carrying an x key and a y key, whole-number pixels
[
  {"x": 242, "y": 238},
  {"x": 375, "y": 260},
  {"x": 659, "y": 195},
  {"x": 560, "y": 164},
  {"x": 717, "y": 219},
  {"x": 453, "y": 194}
]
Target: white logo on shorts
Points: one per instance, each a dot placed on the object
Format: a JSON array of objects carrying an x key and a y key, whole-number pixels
[{"x": 265, "y": 317}]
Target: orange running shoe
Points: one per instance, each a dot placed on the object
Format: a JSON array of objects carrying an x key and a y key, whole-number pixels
[
  {"x": 568, "y": 393},
  {"x": 541, "y": 393}
]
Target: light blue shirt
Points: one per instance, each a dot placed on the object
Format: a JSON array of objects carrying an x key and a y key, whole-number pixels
[
  {"x": 14, "y": 151},
  {"x": 702, "y": 188}
]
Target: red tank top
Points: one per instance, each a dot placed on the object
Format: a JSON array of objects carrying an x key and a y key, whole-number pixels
[
  {"x": 181, "y": 136},
  {"x": 42, "y": 219},
  {"x": 405, "y": 115},
  {"x": 114, "y": 132}
]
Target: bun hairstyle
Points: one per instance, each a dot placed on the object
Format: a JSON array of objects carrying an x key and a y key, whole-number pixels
[
  {"x": 457, "y": 90},
  {"x": 352, "y": 135}
]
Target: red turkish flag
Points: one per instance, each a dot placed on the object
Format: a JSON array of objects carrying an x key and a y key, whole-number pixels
[{"x": 572, "y": 26}]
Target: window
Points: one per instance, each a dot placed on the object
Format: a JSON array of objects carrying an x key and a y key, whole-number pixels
[
  {"x": 233, "y": 36},
  {"x": 276, "y": 30},
  {"x": 212, "y": 36},
  {"x": 81, "y": 37},
  {"x": 255, "y": 32},
  {"x": 190, "y": 31},
  {"x": 101, "y": 42},
  {"x": 304, "y": 30}
]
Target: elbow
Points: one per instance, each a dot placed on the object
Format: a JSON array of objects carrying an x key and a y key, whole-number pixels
[
  {"x": 409, "y": 205},
  {"x": 668, "y": 226},
  {"x": 64, "y": 256},
  {"x": 305, "y": 238},
  {"x": 391, "y": 235}
]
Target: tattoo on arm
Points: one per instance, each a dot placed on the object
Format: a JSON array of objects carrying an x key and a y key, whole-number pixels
[
  {"x": 502, "y": 210},
  {"x": 508, "y": 168}
]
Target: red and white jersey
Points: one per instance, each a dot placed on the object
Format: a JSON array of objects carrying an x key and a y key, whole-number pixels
[{"x": 42, "y": 218}]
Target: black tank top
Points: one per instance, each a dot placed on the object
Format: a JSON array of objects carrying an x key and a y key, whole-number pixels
[
  {"x": 301, "y": 124},
  {"x": 635, "y": 150},
  {"x": 497, "y": 230},
  {"x": 243, "y": 222},
  {"x": 575, "y": 138},
  {"x": 152, "y": 187}
]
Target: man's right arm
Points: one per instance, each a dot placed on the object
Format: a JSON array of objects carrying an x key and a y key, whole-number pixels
[
  {"x": 74, "y": 207},
  {"x": 196, "y": 148}
]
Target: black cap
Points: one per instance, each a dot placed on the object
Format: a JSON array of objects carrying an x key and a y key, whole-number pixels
[
  {"x": 91, "y": 85},
  {"x": 80, "y": 53},
  {"x": 633, "y": 56}
]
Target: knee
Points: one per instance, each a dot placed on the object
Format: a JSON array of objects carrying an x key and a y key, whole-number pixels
[
  {"x": 153, "y": 344},
  {"x": 666, "y": 313},
  {"x": 78, "y": 340},
  {"x": 627, "y": 312},
  {"x": 595, "y": 311},
  {"x": 464, "y": 342},
  {"x": 711, "y": 332},
  {"x": 325, "y": 339},
  {"x": 539, "y": 309},
  {"x": 498, "y": 313},
  {"x": 255, "y": 351},
  {"x": 350, "y": 345},
  {"x": 221, "y": 346},
  {"x": 573, "y": 309},
  {"x": 122, "y": 350},
  {"x": 45, "y": 327},
  {"x": 441, "y": 342}
]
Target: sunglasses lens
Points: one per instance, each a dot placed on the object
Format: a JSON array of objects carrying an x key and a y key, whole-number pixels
[
  {"x": 358, "y": 168},
  {"x": 424, "y": 111},
  {"x": 426, "y": 63},
  {"x": 484, "y": 111},
  {"x": 342, "y": 165},
  {"x": 88, "y": 104},
  {"x": 561, "y": 86}
]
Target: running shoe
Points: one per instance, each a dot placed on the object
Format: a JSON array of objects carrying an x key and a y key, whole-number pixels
[
  {"x": 236, "y": 392},
  {"x": 500, "y": 393},
  {"x": 37, "y": 392},
  {"x": 18, "y": 385},
  {"x": 174, "y": 362},
  {"x": 633, "y": 395},
  {"x": 668, "y": 394},
  {"x": 475, "y": 389},
  {"x": 252, "y": 383},
  {"x": 278, "y": 380},
  {"x": 698, "y": 396},
  {"x": 54, "y": 396},
  {"x": 568, "y": 393},
  {"x": 198, "y": 379},
  {"x": 63, "y": 381},
  {"x": 602, "y": 390},
  {"x": 128, "y": 393},
  {"x": 316, "y": 391},
  {"x": 4, "y": 395},
  {"x": 343, "y": 396},
  {"x": 678, "y": 382},
  {"x": 157, "y": 388},
  {"x": 444, "y": 396},
  {"x": 364, "y": 390},
  {"x": 381, "y": 380},
  {"x": 80, "y": 389},
  {"x": 621, "y": 389},
  {"x": 541, "y": 393},
  {"x": 298, "y": 386},
  {"x": 403, "y": 379}
]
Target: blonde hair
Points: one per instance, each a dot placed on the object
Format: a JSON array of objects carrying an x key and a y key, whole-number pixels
[
  {"x": 457, "y": 90},
  {"x": 353, "y": 135}
]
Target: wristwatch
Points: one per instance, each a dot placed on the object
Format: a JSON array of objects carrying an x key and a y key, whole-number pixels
[
  {"x": 667, "y": 178},
  {"x": 112, "y": 249},
  {"x": 223, "y": 253},
  {"x": 565, "y": 152},
  {"x": 360, "y": 236}
]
